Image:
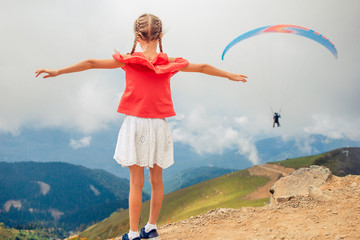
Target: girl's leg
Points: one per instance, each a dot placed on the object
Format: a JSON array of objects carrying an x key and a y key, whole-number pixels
[
  {"x": 135, "y": 195},
  {"x": 157, "y": 193}
]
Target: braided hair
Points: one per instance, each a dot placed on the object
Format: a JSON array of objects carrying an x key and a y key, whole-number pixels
[{"x": 148, "y": 28}]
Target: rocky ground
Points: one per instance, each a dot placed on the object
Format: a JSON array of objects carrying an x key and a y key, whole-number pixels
[{"x": 331, "y": 211}]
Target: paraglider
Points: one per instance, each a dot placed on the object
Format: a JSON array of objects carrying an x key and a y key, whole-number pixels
[
  {"x": 276, "y": 119},
  {"x": 283, "y": 28}
]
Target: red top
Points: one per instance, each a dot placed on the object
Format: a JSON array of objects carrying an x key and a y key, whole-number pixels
[{"x": 147, "y": 93}]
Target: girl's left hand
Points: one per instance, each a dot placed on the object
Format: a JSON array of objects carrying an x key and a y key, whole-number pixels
[
  {"x": 238, "y": 78},
  {"x": 50, "y": 72}
]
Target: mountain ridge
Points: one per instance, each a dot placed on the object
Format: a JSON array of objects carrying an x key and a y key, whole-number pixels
[
  {"x": 58, "y": 194},
  {"x": 54, "y": 145}
]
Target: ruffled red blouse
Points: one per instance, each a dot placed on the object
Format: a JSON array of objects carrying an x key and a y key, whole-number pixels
[{"x": 147, "y": 93}]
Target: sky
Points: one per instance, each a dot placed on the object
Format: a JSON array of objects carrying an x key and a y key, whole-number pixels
[{"x": 314, "y": 92}]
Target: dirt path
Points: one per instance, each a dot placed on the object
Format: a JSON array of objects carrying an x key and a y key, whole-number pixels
[
  {"x": 270, "y": 170},
  {"x": 335, "y": 218},
  {"x": 276, "y": 169},
  {"x": 274, "y": 172}
]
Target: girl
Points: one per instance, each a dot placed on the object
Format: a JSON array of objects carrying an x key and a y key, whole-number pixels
[{"x": 144, "y": 139}]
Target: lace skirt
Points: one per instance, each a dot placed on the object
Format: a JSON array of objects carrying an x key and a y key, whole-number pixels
[{"x": 144, "y": 142}]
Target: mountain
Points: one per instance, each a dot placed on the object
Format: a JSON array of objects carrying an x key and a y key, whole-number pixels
[
  {"x": 244, "y": 188},
  {"x": 330, "y": 212},
  {"x": 341, "y": 161},
  {"x": 268, "y": 150},
  {"x": 229, "y": 190},
  {"x": 57, "y": 145},
  {"x": 193, "y": 176},
  {"x": 278, "y": 148},
  {"x": 41, "y": 234},
  {"x": 58, "y": 194}
]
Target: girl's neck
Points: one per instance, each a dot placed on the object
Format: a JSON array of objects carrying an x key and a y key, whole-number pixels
[{"x": 149, "y": 49}]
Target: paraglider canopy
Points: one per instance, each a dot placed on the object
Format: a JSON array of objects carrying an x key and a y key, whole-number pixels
[{"x": 283, "y": 28}]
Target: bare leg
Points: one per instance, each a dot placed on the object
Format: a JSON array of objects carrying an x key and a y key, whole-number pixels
[
  {"x": 157, "y": 193},
  {"x": 135, "y": 195}
]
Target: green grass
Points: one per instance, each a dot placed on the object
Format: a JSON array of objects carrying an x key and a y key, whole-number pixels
[
  {"x": 228, "y": 191},
  {"x": 6, "y": 233},
  {"x": 14, "y": 234},
  {"x": 299, "y": 162}
]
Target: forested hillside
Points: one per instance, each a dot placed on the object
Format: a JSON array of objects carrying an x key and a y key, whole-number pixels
[{"x": 58, "y": 194}]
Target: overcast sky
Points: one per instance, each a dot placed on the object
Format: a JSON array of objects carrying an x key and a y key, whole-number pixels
[{"x": 315, "y": 92}]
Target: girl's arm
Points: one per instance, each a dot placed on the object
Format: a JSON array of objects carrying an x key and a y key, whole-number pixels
[
  {"x": 210, "y": 70},
  {"x": 81, "y": 66}
]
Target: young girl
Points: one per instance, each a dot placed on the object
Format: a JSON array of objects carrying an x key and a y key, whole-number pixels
[{"x": 144, "y": 139}]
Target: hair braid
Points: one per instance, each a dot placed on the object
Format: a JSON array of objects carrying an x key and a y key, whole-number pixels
[
  {"x": 160, "y": 44},
  {"x": 159, "y": 32},
  {"x": 136, "y": 28},
  {"x": 148, "y": 28},
  {"x": 134, "y": 47}
]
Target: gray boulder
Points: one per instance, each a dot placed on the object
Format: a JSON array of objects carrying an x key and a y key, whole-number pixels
[{"x": 302, "y": 182}]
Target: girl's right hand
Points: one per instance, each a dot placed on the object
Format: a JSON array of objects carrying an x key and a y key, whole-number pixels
[{"x": 50, "y": 72}]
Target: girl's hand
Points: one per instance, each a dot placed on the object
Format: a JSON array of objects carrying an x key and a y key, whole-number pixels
[
  {"x": 50, "y": 72},
  {"x": 238, "y": 77}
]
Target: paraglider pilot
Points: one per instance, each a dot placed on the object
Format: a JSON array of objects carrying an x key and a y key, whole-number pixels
[{"x": 276, "y": 119}]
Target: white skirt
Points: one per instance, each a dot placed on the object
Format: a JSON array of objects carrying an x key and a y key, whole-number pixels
[{"x": 144, "y": 142}]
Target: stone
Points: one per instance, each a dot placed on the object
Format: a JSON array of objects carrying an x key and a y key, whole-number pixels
[
  {"x": 298, "y": 184},
  {"x": 317, "y": 194}
]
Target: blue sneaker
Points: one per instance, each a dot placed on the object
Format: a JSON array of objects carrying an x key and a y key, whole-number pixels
[
  {"x": 126, "y": 237},
  {"x": 153, "y": 234}
]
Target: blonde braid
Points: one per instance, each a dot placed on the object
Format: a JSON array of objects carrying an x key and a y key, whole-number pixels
[
  {"x": 148, "y": 28},
  {"x": 137, "y": 35},
  {"x": 160, "y": 44},
  {"x": 134, "y": 46},
  {"x": 159, "y": 32}
]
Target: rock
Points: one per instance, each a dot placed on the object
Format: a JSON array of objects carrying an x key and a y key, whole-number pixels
[
  {"x": 317, "y": 194},
  {"x": 298, "y": 184}
]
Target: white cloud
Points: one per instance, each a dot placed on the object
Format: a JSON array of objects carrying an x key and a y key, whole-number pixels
[
  {"x": 247, "y": 147},
  {"x": 304, "y": 145},
  {"x": 80, "y": 143},
  {"x": 242, "y": 120},
  {"x": 213, "y": 134},
  {"x": 334, "y": 126}
]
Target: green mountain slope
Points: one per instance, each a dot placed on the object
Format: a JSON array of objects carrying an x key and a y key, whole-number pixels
[
  {"x": 192, "y": 176},
  {"x": 341, "y": 162},
  {"x": 229, "y": 190},
  {"x": 58, "y": 195},
  {"x": 14, "y": 234}
]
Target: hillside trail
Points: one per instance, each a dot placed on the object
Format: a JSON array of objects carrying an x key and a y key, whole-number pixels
[
  {"x": 335, "y": 217},
  {"x": 274, "y": 172}
]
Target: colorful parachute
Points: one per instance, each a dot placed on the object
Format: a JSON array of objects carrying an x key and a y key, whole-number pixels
[{"x": 302, "y": 31}]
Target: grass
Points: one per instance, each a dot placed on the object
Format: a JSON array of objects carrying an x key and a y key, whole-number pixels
[
  {"x": 299, "y": 162},
  {"x": 6, "y": 233},
  {"x": 228, "y": 191},
  {"x": 14, "y": 234}
]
